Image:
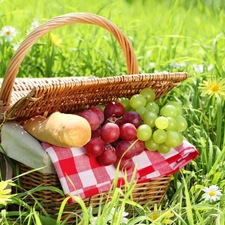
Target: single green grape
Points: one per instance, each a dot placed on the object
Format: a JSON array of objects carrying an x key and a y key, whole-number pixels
[
  {"x": 159, "y": 136},
  {"x": 163, "y": 149},
  {"x": 173, "y": 139},
  {"x": 181, "y": 123},
  {"x": 149, "y": 94},
  {"x": 137, "y": 101},
  {"x": 177, "y": 105},
  {"x": 168, "y": 111},
  {"x": 144, "y": 132},
  {"x": 161, "y": 122},
  {"x": 141, "y": 111},
  {"x": 151, "y": 145},
  {"x": 172, "y": 124},
  {"x": 152, "y": 107},
  {"x": 149, "y": 118},
  {"x": 125, "y": 102}
]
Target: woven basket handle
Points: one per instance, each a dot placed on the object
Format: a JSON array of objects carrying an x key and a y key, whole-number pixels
[{"x": 32, "y": 38}]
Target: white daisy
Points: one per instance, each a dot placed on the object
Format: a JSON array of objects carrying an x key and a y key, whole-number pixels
[
  {"x": 8, "y": 32},
  {"x": 212, "y": 193}
]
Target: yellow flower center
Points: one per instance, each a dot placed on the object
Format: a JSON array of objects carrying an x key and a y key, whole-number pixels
[
  {"x": 212, "y": 193},
  {"x": 215, "y": 88},
  {"x": 7, "y": 32},
  {"x": 155, "y": 216}
]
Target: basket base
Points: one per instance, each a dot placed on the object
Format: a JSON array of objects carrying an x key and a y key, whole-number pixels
[{"x": 145, "y": 194}]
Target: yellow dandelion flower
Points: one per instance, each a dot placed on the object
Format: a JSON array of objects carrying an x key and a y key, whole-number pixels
[
  {"x": 213, "y": 88},
  {"x": 166, "y": 215},
  {"x": 55, "y": 40},
  {"x": 4, "y": 192}
]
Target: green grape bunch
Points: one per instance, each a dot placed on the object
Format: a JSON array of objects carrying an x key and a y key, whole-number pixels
[{"x": 162, "y": 126}]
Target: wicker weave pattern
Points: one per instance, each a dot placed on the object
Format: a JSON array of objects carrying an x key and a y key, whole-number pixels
[
  {"x": 71, "y": 95},
  {"x": 143, "y": 193}
]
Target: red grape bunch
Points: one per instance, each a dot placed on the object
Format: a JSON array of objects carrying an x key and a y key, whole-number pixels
[{"x": 114, "y": 135}]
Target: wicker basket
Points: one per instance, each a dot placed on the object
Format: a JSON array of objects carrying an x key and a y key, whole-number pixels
[{"x": 23, "y": 98}]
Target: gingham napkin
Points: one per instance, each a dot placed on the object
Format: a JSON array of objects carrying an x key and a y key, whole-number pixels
[{"x": 81, "y": 175}]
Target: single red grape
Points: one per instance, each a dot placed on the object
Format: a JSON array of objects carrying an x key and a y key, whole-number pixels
[
  {"x": 108, "y": 157},
  {"x": 110, "y": 132},
  {"x": 114, "y": 109},
  {"x": 139, "y": 147},
  {"x": 125, "y": 150},
  {"x": 99, "y": 113},
  {"x": 128, "y": 132},
  {"x": 92, "y": 118},
  {"x": 132, "y": 117},
  {"x": 94, "y": 147}
]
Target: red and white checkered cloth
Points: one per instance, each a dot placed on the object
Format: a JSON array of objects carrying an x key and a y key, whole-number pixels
[{"x": 81, "y": 175}]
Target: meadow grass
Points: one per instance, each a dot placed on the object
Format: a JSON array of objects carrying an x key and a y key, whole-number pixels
[{"x": 173, "y": 35}]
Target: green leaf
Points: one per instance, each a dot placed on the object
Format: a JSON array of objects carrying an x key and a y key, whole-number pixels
[{"x": 216, "y": 178}]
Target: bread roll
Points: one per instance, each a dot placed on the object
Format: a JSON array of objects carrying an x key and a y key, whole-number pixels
[{"x": 59, "y": 129}]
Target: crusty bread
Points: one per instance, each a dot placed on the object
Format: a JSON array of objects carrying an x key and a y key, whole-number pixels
[{"x": 60, "y": 129}]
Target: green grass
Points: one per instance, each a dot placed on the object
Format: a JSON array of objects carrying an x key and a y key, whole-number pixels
[
  {"x": 161, "y": 32},
  {"x": 189, "y": 34}
]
